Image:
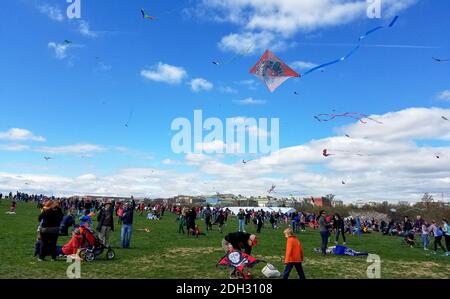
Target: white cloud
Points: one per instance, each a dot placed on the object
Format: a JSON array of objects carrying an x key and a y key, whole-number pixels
[
  {"x": 165, "y": 73},
  {"x": 444, "y": 95},
  {"x": 72, "y": 149},
  {"x": 16, "y": 134},
  {"x": 228, "y": 89},
  {"x": 302, "y": 65},
  {"x": 85, "y": 30},
  {"x": 250, "y": 101},
  {"x": 390, "y": 161},
  {"x": 256, "y": 42},
  {"x": 60, "y": 49},
  {"x": 265, "y": 23},
  {"x": 52, "y": 12},
  {"x": 13, "y": 147},
  {"x": 200, "y": 84}
]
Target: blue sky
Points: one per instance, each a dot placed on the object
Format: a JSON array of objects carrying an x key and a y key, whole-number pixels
[{"x": 86, "y": 97}]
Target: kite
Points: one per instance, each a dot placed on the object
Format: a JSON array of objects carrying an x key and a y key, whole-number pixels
[
  {"x": 353, "y": 51},
  {"x": 272, "y": 189},
  {"x": 67, "y": 42},
  {"x": 245, "y": 162},
  {"x": 348, "y": 136},
  {"x": 129, "y": 119},
  {"x": 440, "y": 60},
  {"x": 48, "y": 158},
  {"x": 343, "y": 183},
  {"x": 437, "y": 156},
  {"x": 146, "y": 16},
  {"x": 355, "y": 115},
  {"x": 272, "y": 71},
  {"x": 296, "y": 93},
  {"x": 444, "y": 118},
  {"x": 326, "y": 154}
]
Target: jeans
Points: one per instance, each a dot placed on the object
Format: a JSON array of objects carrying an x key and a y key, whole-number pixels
[
  {"x": 48, "y": 245},
  {"x": 126, "y": 235},
  {"x": 242, "y": 225},
  {"x": 298, "y": 267},
  {"x": 324, "y": 245},
  {"x": 105, "y": 233},
  {"x": 425, "y": 241},
  {"x": 338, "y": 232}
]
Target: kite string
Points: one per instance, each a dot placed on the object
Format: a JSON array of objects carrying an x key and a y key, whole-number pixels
[{"x": 354, "y": 49}]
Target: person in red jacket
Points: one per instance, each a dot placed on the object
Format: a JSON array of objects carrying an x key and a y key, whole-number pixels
[{"x": 294, "y": 255}]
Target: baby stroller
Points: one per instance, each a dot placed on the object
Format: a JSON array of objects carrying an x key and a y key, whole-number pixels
[
  {"x": 93, "y": 246},
  {"x": 240, "y": 264}
]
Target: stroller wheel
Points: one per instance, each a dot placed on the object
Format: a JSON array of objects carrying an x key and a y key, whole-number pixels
[
  {"x": 110, "y": 254},
  {"x": 89, "y": 256}
]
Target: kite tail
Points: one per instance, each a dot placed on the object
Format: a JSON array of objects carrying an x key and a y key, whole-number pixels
[{"x": 353, "y": 51}]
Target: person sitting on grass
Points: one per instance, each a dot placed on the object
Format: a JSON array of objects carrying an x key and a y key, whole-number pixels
[
  {"x": 294, "y": 255},
  {"x": 410, "y": 239}
]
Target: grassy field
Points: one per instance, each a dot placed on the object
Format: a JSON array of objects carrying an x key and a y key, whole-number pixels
[{"x": 163, "y": 253}]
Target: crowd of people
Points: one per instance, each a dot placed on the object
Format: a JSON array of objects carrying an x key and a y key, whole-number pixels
[{"x": 59, "y": 215}]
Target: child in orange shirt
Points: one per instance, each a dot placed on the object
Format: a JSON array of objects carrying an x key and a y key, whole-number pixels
[{"x": 294, "y": 255}]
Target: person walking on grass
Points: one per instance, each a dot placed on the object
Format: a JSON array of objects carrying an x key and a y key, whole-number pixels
[
  {"x": 446, "y": 232},
  {"x": 182, "y": 222},
  {"x": 127, "y": 224},
  {"x": 294, "y": 255},
  {"x": 105, "y": 222},
  {"x": 438, "y": 234},
  {"x": 241, "y": 218},
  {"x": 324, "y": 232},
  {"x": 220, "y": 221},
  {"x": 208, "y": 214}
]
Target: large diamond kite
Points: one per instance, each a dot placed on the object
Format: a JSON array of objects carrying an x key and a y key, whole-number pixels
[{"x": 272, "y": 71}]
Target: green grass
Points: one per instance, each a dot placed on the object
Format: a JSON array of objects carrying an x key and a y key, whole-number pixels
[{"x": 163, "y": 253}]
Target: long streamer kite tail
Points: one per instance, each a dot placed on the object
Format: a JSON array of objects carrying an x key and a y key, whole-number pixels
[{"x": 354, "y": 50}]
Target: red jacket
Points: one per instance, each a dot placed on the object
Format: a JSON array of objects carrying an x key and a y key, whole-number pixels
[{"x": 294, "y": 251}]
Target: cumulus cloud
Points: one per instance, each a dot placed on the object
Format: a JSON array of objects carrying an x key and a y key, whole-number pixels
[
  {"x": 52, "y": 12},
  {"x": 250, "y": 101},
  {"x": 72, "y": 149},
  {"x": 16, "y": 134},
  {"x": 60, "y": 49},
  {"x": 13, "y": 147},
  {"x": 302, "y": 65},
  {"x": 444, "y": 95},
  {"x": 391, "y": 161},
  {"x": 165, "y": 73},
  {"x": 200, "y": 84},
  {"x": 260, "y": 21},
  {"x": 85, "y": 30}
]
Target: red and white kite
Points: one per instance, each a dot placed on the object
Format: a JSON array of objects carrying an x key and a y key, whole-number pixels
[{"x": 272, "y": 71}]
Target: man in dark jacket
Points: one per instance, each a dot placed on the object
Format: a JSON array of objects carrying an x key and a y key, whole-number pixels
[
  {"x": 239, "y": 241},
  {"x": 105, "y": 222},
  {"x": 127, "y": 223}
]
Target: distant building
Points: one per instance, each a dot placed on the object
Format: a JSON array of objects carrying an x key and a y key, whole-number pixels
[
  {"x": 320, "y": 202},
  {"x": 184, "y": 199},
  {"x": 337, "y": 203}
]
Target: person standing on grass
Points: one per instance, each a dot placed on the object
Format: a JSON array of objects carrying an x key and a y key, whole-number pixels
[
  {"x": 105, "y": 222},
  {"x": 50, "y": 220},
  {"x": 241, "y": 218},
  {"x": 446, "y": 232},
  {"x": 208, "y": 215},
  {"x": 259, "y": 222},
  {"x": 340, "y": 227},
  {"x": 127, "y": 224},
  {"x": 437, "y": 232},
  {"x": 182, "y": 221},
  {"x": 324, "y": 232},
  {"x": 294, "y": 255},
  {"x": 425, "y": 233}
]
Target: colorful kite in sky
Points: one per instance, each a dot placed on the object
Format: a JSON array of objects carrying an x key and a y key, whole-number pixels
[
  {"x": 355, "y": 115},
  {"x": 444, "y": 118},
  {"x": 353, "y": 51},
  {"x": 272, "y": 71},
  {"x": 146, "y": 16}
]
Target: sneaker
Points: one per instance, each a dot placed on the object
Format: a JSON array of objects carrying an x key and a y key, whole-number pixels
[
  {"x": 425, "y": 248},
  {"x": 39, "y": 260},
  {"x": 344, "y": 243}
]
